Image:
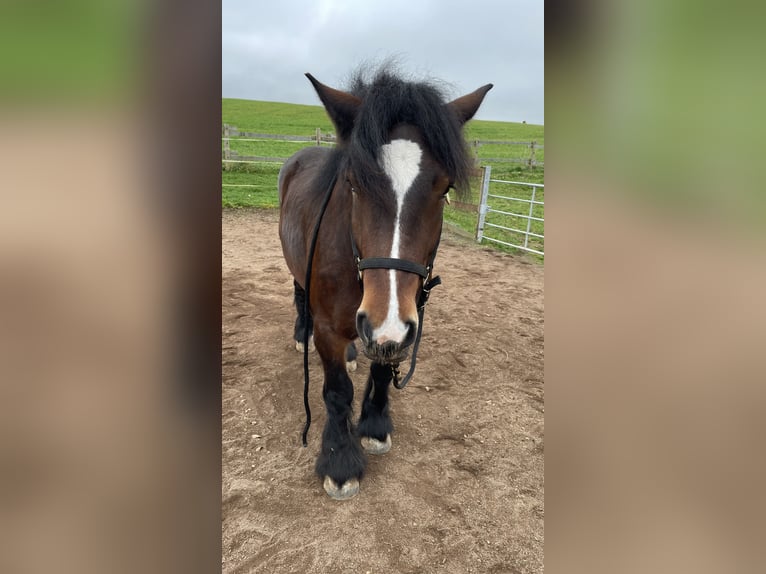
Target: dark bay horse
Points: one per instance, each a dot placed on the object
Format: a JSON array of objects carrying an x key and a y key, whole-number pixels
[{"x": 400, "y": 149}]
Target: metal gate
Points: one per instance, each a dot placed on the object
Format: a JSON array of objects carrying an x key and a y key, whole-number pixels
[{"x": 498, "y": 221}]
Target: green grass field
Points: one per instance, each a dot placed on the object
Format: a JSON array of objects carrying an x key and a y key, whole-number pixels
[{"x": 259, "y": 180}]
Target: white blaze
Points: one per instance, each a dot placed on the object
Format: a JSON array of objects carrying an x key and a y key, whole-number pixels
[{"x": 400, "y": 159}]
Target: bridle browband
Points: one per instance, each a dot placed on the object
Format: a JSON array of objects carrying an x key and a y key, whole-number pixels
[{"x": 424, "y": 271}]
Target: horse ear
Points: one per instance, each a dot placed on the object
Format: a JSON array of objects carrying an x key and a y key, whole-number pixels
[
  {"x": 342, "y": 107},
  {"x": 466, "y": 106}
]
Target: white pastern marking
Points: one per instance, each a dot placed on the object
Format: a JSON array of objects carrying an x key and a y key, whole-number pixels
[{"x": 400, "y": 160}]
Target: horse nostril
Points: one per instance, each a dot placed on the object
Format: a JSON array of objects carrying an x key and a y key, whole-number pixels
[
  {"x": 412, "y": 330},
  {"x": 363, "y": 327}
]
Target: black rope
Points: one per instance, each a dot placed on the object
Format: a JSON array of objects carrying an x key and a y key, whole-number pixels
[
  {"x": 423, "y": 299},
  {"x": 307, "y": 309}
]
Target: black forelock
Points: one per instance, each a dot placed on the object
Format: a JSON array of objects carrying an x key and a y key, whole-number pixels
[{"x": 389, "y": 100}]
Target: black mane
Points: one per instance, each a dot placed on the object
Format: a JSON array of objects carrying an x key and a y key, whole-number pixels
[{"x": 388, "y": 100}]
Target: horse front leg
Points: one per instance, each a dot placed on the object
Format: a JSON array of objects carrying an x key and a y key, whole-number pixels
[
  {"x": 341, "y": 461},
  {"x": 375, "y": 426}
]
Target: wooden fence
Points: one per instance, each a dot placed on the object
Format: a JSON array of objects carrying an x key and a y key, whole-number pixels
[
  {"x": 232, "y": 133},
  {"x": 529, "y": 161}
]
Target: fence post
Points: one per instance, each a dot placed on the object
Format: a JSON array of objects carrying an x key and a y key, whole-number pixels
[
  {"x": 226, "y": 148},
  {"x": 532, "y": 157},
  {"x": 483, "y": 202},
  {"x": 529, "y": 219},
  {"x": 319, "y": 136}
]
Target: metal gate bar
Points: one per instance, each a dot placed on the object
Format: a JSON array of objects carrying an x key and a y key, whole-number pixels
[{"x": 484, "y": 209}]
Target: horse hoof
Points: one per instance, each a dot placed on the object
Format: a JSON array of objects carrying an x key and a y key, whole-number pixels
[
  {"x": 299, "y": 345},
  {"x": 351, "y": 366},
  {"x": 375, "y": 446},
  {"x": 349, "y": 489}
]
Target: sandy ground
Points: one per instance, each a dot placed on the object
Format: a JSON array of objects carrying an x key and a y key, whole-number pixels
[{"x": 462, "y": 489}]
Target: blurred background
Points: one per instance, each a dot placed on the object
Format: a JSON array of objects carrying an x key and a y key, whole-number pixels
[
  {"x": 655, "y": 317},
  {"x": 109, "y": 286}
]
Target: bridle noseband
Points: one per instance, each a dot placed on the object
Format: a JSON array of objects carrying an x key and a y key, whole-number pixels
[{"x": 390, "y": 263}]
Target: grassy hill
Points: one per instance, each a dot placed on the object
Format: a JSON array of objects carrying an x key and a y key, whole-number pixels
[
  {"x": 295, "y": 119},
  {"x": 259, "y": 181},
  {"x": 274, "y": 117}
]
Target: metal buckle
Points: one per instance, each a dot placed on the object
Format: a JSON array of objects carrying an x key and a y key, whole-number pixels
[{"x": 358, "y": 271}]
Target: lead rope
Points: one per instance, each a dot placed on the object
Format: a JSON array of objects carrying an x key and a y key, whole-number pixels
[
  {"x": 422, "y": 300},
  {"x": 307, "y": 309}
]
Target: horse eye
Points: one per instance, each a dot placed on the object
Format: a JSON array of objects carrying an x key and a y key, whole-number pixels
[{"x": 445, "y": 196}]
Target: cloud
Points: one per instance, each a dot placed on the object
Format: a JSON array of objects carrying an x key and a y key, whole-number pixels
[{"x": 267, "y": 48}]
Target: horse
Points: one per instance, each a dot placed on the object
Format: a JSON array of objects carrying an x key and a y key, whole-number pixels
[{"x": 379, "y": 194}]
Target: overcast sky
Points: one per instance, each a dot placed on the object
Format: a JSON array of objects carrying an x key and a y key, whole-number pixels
[{"x": 268, "y": 46}]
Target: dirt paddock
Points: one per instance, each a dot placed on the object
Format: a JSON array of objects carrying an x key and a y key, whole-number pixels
[{"x": 462, "y": 488}]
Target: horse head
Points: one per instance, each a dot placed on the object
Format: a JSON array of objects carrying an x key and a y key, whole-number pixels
[{"x": 403, "y": 151}]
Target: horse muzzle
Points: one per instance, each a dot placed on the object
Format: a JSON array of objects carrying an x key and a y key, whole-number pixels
[{"x": 386, "y": 344}]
